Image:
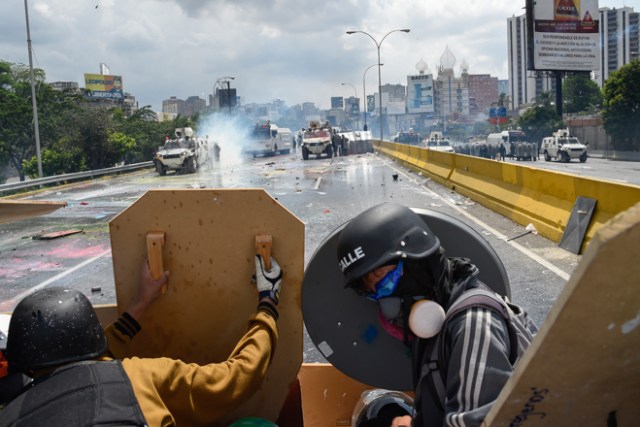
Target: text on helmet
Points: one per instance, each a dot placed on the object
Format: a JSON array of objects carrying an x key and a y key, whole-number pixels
[{"x": 351, "y": 257}]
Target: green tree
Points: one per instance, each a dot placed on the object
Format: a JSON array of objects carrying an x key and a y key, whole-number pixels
[
  {"x": 540, "y": 120},
  {"x": 621, "y": 107},
  {"x": 580, "y": 93},
  {"x": 62, "y": 157},
  {"x": 17, "y": 133}
]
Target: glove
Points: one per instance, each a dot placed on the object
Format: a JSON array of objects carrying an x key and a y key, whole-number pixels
[{"x": 268, "y": 282}]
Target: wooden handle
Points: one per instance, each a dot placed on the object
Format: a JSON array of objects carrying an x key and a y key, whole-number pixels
[
  {"x": 155, "y": 242},
  {"x": 263, "y": 247}
]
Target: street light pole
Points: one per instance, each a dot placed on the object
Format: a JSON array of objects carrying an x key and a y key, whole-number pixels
[
  {"x": 356, "y": 97},
  {"x": 36, "y": 128},
  {"x": 364, "y": 92},
  {"x": 378, "y": 44}
]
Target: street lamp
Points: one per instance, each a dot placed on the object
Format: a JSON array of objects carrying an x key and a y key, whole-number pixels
[
  {"x": 364, "y": 93},
  {"x": 356, "y": 97},
  {"x": 219, "y": 82},
  {"x": 405, "y": 30},
  {"x": 36, "y": 129}
]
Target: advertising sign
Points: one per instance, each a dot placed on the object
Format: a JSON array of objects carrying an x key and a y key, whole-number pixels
[
  {"x": 420, "y": 93},
  {"x": 565, "y": 35},
  {"x": 103, "y": 86}
]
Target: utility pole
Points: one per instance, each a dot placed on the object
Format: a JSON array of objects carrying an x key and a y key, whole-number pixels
[{"x": 36, "y": 128}]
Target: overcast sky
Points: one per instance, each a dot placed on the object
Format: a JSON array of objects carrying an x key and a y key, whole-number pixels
[{"x": 294, "y": 50}]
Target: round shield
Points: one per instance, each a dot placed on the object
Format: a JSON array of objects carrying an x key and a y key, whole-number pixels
[{"x": 345, "y": 327}]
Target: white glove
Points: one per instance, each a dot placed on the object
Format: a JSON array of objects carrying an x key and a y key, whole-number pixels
[{"x": 268, "y": 282}]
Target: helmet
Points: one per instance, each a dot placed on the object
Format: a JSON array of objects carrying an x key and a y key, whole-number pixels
[
  {"x": 382, "y": 234},
  {"x": 379, "y": 407},
  {"x": 51, "y": 327}
]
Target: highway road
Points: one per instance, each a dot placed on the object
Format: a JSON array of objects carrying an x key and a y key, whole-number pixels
[
  {"x": 323, "y": 193},
  {"x": 623, "y": 172}
]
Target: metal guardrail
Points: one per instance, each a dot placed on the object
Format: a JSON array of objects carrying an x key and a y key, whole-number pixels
[{"x": 13, "y": 187}]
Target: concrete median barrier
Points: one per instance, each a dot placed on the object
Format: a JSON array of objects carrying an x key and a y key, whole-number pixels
[{"x": 521, "y": 193}]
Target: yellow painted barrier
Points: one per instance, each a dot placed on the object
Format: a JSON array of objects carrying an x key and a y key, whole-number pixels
[{"x": 522, "y": 193}]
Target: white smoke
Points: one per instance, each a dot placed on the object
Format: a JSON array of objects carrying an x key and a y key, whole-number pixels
[{"x": 229, "y": 134}]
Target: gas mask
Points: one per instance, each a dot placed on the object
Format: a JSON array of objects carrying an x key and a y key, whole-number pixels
[
  {"x": 425, "y": 317},
  {"x": 404, "y": 307}
]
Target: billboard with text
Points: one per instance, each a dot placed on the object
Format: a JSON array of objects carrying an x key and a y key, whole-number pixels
[
  {"x": 420, "y": 93},
  {"x": 100, "y": 86},
  {"x": 565, "y": 35}
]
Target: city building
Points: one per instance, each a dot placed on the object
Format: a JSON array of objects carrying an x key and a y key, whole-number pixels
[
  {"x": 173, "y": 106},
  {"x": 128, "y": 104},
  {"x": 337, "y": 102},
  {"x": 188, "y": 107},
  {"x": 619, "y": 45},
  {"x": 452, "y": 93},
  {"x": 619, "y": 40},
  {"x": 65, "y": 86},
  {"x": 525, "y": 85},
  {"x": 483, "y": 89},
  {"x": 193, "y": 105}
]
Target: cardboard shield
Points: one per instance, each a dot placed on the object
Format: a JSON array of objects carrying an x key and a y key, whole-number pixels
[
  {"x": 209, "y": 248},
  {"x": 345, "y": 327},
  {"x": 583, "y": 366}
]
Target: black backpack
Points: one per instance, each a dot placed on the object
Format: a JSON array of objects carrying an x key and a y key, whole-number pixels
[{"x": 520, "y": 327}]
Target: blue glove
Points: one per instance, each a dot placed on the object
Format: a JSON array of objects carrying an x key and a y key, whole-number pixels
[{"x": 268, "y": 282}]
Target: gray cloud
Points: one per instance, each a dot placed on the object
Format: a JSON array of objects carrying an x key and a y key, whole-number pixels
[{"x": 287, "y": 49}]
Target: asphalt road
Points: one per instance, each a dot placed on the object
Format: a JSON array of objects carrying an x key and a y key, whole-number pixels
[
  {"x": 623, "y": 172},
  {"x": 323, "y": 193}
]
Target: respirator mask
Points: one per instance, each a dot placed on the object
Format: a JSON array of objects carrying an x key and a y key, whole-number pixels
[{"x": 423, "y": 317}]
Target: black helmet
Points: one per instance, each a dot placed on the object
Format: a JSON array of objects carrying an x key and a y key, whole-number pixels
[
  {"x": 381, "y": 234},
  {"x": 51, "y": 327},
  {"x": 379, "y": 407}
]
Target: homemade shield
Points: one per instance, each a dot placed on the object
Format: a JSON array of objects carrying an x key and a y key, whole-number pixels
[
  {"x": 345, "y": 327},
  {"x": 209, "y": 248},
  {"x": 583, "y": 366}
]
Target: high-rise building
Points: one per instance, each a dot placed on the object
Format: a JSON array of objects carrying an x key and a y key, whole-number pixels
[
  {"x": 337, "y": 102},
  {"x": 619, "y": 45},
  {"x": 393, "y": 98},
  {"x": 484, "y": 90},
  {"x": 525, "y": 85},
  {"x": 452, "y": 93},
  {"x": 619, "y": 40},
  {"x": 173, "y": 106}
]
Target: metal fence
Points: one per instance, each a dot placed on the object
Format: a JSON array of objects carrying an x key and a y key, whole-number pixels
[{"x": 14, "y": 187}]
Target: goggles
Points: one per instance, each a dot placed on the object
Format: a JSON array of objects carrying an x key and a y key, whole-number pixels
[{"x": 387, "y": 285}]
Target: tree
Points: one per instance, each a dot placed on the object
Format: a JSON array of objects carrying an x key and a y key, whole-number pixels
[
  {"x": 62, "y": 157},
  {"x": 621, "y": 107},
  {"x": 17, "y": 133},
  {"x": 540, "y": 120},
  {"x": 580, "y": 93}
]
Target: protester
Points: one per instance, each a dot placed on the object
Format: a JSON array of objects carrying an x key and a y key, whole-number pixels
[
  {"x": 55, "y": 338},
  {"x": 389, "y": 255}
]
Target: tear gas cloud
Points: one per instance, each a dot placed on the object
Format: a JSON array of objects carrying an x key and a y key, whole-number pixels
[{"x": 231, "y": 135}]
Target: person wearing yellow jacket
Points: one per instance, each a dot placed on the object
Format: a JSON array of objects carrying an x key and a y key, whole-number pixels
[{"x": 55, "y": 337}]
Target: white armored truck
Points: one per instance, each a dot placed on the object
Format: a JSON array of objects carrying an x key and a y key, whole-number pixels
[
  {"x": 563, "y": 147},
  {"x": 185, "y": 152},
  {"x": 317, "y": 140}
]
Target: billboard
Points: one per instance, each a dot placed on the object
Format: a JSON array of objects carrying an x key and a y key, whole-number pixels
[
  {"x": 565, "y": 35},
  {"x": 100, "y": 86},
  {"x": 420, "y": 93}
]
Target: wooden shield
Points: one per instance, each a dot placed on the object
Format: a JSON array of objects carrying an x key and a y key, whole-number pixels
[
  {"x": 209, "y": 248},
  {"x": 583, "y": 367}
]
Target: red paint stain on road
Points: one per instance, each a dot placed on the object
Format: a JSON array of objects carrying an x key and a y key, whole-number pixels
[{"x": 71, "y": 251}]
